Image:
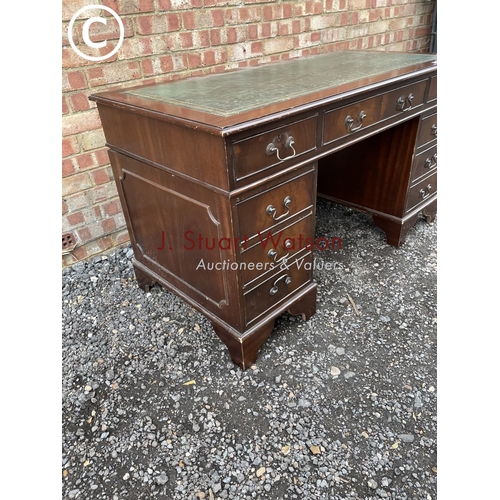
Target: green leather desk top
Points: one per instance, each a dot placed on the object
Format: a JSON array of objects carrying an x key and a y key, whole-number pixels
[{"x": 234, "y": 92}]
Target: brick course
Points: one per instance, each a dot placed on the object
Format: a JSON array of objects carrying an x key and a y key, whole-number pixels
[{"x": 174, "y": 39}]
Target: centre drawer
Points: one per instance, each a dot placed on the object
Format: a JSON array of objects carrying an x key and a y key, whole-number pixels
[
  {"x": 276, "y": 204},
  {"x": 358, "y": 116},
  {"x": 278, "y": 145},
  {"x": 273, "y": 291}
]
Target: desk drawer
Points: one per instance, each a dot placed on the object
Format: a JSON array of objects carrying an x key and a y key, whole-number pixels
[
  {"x": 432, "y": 89},
  {"x": 424, "y": 163},
  {"x": 428, "y": 130},
  {"x": 278, "y": 287},
  {"x": 347, "y": 120},
  {"x": 276, "y": 204},
  {"x": 271, "y": 248},
  {"x": 422, "y": 191},
  {"x": 279, "y": 145}
]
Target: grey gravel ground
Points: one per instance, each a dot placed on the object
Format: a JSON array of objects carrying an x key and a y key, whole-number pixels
[{"x": 340, "y": 407}]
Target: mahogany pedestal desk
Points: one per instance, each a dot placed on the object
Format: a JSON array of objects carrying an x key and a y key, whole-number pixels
[{"x": 209, "y": 167}]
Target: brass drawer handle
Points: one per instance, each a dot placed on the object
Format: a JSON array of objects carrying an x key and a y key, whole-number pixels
[
  {"x": 434, "y": 130},
  {"x": 273, "y": 254},
  {"x": 349, "y": 122},
  {"x": 401, "y": 103},
  {"x": 271, "y": 148},
  {"x": 424, "y": 193},
  {"x": 287, "y": 280},
  {"x": 270, "y": 210},
  {"x": 432, "y": 161}
]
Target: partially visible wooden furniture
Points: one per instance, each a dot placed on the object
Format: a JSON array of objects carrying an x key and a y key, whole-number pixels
[
  {"x": 211, "y": 170},
  {"x": 391, "y": 174}
]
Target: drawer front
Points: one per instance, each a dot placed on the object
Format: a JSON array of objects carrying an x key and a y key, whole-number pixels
[
  {"x": 275, "y": 205},
  {"x": 433, "y": 89},
  {"x": 271, "y": 249},
  {"x": 361, "y": 115},
  {"x": 279, "y": 286},
  {"x": 422, "y": 191},
  {"x": 428, "y": 130},
  {"x": 424, "y": 163},
  {"x": 260, "y": 152}
]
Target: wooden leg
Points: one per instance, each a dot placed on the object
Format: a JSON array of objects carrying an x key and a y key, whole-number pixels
[
  {"x": 244, "y": 347},
  {"x": 244, "y": 350},
  {"x": 306, "y": 306},
  {"x": 430, "y": 211},
  {"x": 395, "y": 231},
  {"x": 143, "y": 280}
]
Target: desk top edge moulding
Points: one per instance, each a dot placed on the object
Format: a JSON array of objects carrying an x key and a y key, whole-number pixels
[{"x": 209, "y": 167}]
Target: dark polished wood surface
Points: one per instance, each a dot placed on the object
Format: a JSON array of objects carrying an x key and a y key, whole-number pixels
[{"x": 204, "y": 182}]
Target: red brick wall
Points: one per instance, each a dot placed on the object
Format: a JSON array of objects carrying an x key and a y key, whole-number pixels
[{"x": 167, "y": 39}]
